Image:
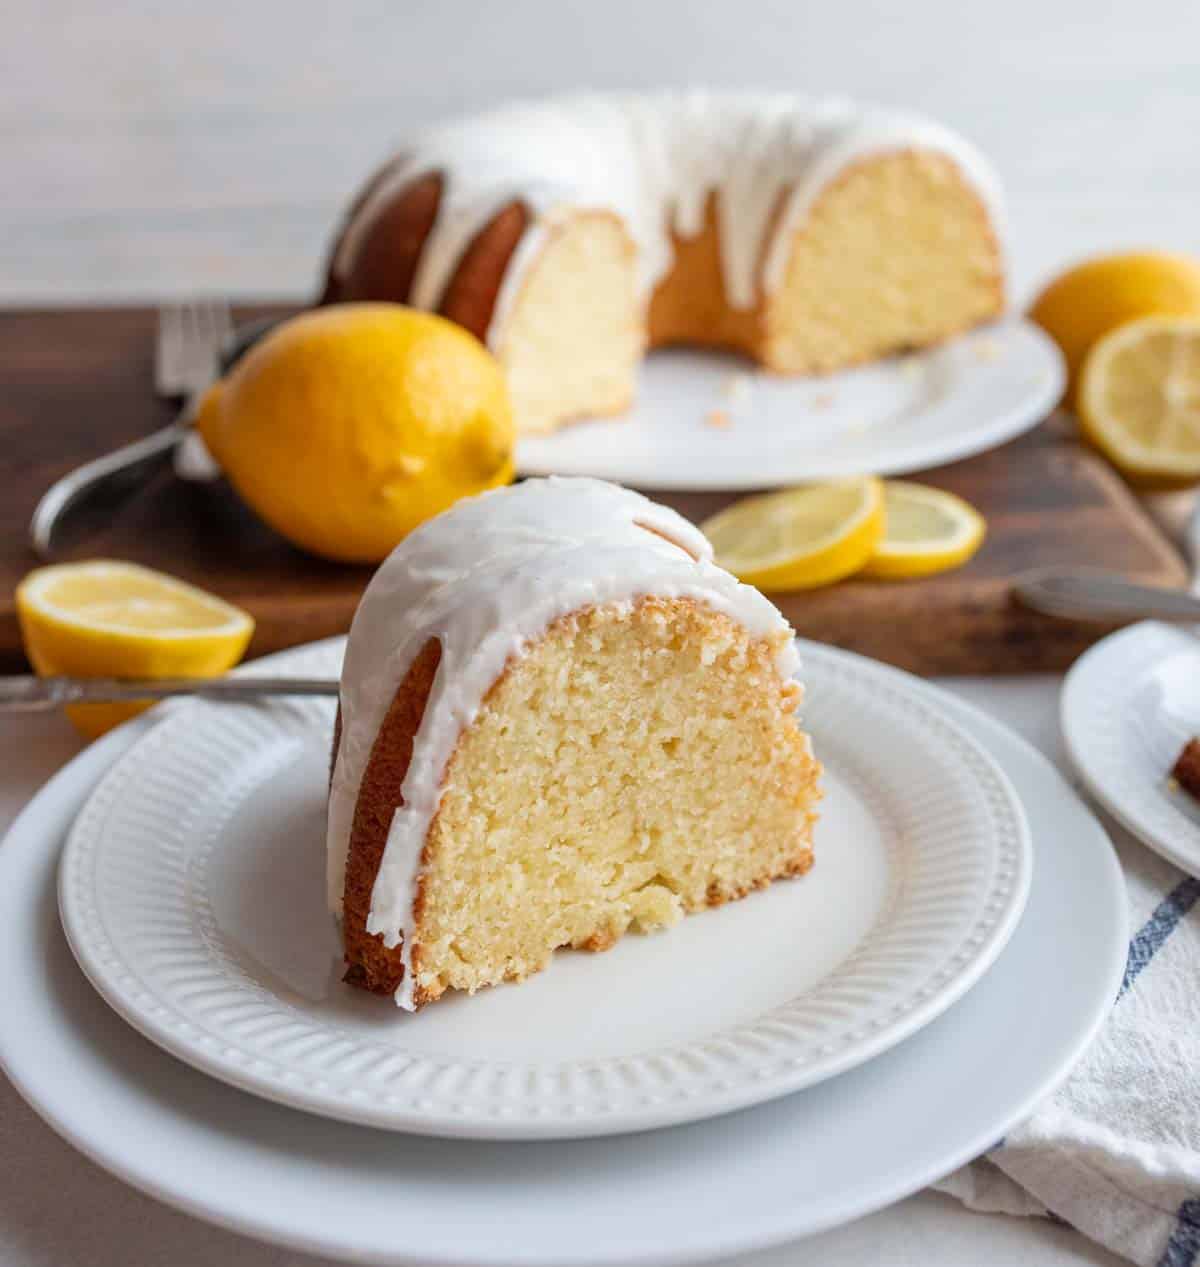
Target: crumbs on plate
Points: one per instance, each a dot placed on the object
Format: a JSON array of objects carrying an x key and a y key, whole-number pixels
[
  {"x": 737, "y": 388},
  {"x": 986, "y": 349}
]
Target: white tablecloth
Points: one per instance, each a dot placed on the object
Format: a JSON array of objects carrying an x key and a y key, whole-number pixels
[{"x": 59, "y": 1210}]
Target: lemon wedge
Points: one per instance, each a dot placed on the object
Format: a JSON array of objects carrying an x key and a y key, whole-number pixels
[
  {"x": 109, "y": 619},
  {"x": 1139, "y": 400},
  {"x": 927, "y": 531},
  {"x": 800, "y": 538},
  {"x": 1092, "y": 299}
]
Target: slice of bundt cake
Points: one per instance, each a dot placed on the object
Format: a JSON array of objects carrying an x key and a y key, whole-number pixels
[
  {"x": 559, "y": 720},
  {"x": 571, "y": 234}
]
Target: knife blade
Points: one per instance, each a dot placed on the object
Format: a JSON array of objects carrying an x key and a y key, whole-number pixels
[{"x": 27, "y": 694}]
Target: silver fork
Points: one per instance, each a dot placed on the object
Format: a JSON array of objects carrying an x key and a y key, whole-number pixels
[
  {"x": 186, "y": 361},
  {"x": 189, "y": 342}
]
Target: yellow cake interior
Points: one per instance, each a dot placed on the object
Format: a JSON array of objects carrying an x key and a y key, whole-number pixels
[
  {"x": 898, "y": 253},
  {"x": 575, "y": 337},
  {"x": 638, "y": 763}
]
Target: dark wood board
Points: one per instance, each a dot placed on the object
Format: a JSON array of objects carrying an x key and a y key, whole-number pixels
[{"x": 76, "y": 383}]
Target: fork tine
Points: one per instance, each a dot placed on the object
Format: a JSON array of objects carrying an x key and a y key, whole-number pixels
[
  {"x": 168, "y": 348},
  {"x": 206, "y": 326},
  {"x": 191, "y": 323},
  {"x": 189, "y": 339},
  {"x": 222, "y": 320},
  {"x": 217, "y": 319}
]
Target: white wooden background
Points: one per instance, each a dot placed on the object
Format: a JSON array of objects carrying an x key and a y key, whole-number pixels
[{"x": 152, "y": 147}]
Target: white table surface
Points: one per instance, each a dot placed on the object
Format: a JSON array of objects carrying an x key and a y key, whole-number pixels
[
  {"x": 58, "y": 1210},
  {"x": 154, "y": 150}
]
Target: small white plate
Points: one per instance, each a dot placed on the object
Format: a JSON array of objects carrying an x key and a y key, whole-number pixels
[
  {"x": 729, "y": 1186},
  {"x": 192, "y": 894},
  {"x": 1129, "y": 705},
  {"x": 901, "y": 415}
]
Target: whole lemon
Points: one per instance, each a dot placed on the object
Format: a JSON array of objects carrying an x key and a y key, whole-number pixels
[
  {"x": 1092, "y": 299},
  {"x": 346, "y": 427}
]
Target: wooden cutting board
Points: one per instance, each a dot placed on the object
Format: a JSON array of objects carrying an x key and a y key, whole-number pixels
[{"x": 77, "y": 383}]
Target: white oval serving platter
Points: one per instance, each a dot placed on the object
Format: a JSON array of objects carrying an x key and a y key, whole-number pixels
[
  {"x": 703, "y": 420},
  {"x": 1129, "y": 704},
  {"x": 192, "y": 894}
]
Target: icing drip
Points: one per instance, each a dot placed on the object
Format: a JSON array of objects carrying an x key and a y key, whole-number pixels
[
  {"x": 486, "y": 578},
  {"x": 653, "y": 161}
]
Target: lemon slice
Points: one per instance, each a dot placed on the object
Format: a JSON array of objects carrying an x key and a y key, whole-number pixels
[
  {"x": 107, "y": 619},
  {"x": 799, "y": 538},
  {"x": 1139, "y": 400},
  {"x": 927, "y": 531}
]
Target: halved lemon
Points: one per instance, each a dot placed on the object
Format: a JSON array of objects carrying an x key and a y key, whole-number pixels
[
  {"x": 1139, "y": 400},
  {"x": 800, "y": 538},
  {"x": 107, "y": 619},
  {"x": 927, "y": 531},
  {"x": 1092, "y": 299}
]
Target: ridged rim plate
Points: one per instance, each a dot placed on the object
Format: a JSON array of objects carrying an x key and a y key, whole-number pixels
[
  {"x": 1129, "y": 705},
  {"x": 705, "y": 421},
  {"x": 191, "y": 885}
]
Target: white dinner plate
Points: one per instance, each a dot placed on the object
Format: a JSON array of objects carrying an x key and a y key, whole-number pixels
[
  {"x": 193, "y": 894},
  {"x": 893, "y": 417},
  {"x": 1129, "y": 705},
  {"x": 744, "y": 1181}
]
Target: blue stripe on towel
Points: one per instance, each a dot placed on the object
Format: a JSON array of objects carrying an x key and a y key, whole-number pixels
[
  {"x": 1184, "y": 1243},
  {"x": 1158, "y": 928}
]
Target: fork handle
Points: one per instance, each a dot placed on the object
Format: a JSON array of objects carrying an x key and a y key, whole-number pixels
[{"x": 84, "y": 480}]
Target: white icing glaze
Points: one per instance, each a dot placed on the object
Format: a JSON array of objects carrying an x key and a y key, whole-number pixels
[
  {"x": 485, "y": 579},
  {"x": 653, "y": 161}
]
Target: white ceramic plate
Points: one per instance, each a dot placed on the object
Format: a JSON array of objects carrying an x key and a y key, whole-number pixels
[
  {"x": 737, "y": 1183},
  {"x": 192, "y": 892},
  {"x": 905, "y": 414},
  {"x": 1128, "y": 706}
]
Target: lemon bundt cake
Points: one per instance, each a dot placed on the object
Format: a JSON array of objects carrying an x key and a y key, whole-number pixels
[
  {"x": 570, "y": 235},
  {"x": 559, "y": 720}
]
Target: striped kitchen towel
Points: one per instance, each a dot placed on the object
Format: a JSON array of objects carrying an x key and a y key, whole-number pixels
[{"x": 1115, "y": 1152}]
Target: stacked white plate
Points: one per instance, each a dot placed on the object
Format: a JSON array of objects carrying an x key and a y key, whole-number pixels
[
  {"x": 893, "y": 1006},
  {"x": 1129, "y": 705}
]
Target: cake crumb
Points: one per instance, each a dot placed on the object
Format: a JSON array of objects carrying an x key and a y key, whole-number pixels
[
  {"x": 737, "y": 388},
  {"x": 719, "y": 419},
  {"x": 822, "y": 400},
  {"x": 986, "y": 349}
]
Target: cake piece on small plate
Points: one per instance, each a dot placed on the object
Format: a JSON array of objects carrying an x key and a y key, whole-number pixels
[{"x": 559, "y": 720}]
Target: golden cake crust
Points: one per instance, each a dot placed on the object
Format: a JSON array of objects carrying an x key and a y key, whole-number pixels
[
  {"x": 385, "y": 265},
  {"x": 369, "y": 963}
]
